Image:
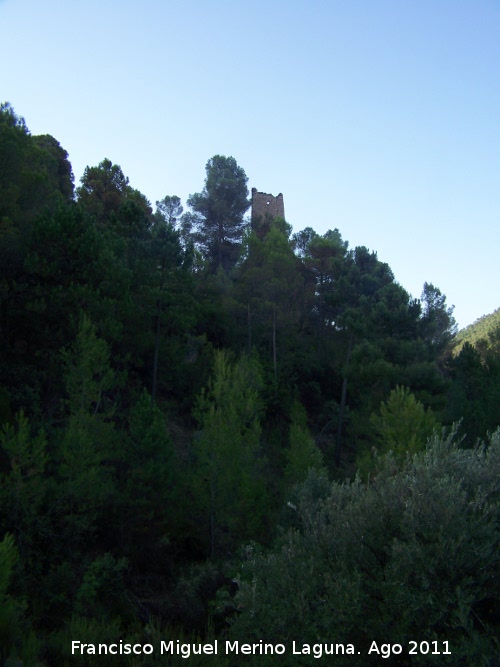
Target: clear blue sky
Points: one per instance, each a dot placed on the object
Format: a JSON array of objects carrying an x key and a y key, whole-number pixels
[{"x": 381, "y": 118}]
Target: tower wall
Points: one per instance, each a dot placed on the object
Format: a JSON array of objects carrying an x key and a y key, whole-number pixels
[{"x": 265, "y": 205}]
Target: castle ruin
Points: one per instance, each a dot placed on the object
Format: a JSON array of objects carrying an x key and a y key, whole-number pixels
[
  {"x": 264, "y": 204},
  {"x": 265, "y": 208}
]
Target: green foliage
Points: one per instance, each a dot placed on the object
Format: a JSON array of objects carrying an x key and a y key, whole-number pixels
[
  {"x": 87, "y": 372},
  {"x": 95, "y": 470},
  {"x": 23, "y": 487},
  {"x": 8, "y": 558},
  {"x": 227, "y": 452},
  {"x": 168, "y": 295},
  {"x": 68, "y": 266},
  {"x": 85, "y": 482},
  {"x": 438, "y": 326},
  {"x": 474, "y": 395},
  {"x": 9, "y": 118},
  {"x": 88, "y": 631},
  {"x": 274, "y": 293},
  {"x": 102, "y": 593},
  {"x": 169, "y": 209},
  {"x": 103, "y": 190},
  {"x": 217, "y": 225},
  {"x": 88, "y": 437},
  {"x": 402, "y": 425},
  {"x": 413, "y": 554},
  {"x": 26, "y": 455},
  {"x": 151, "y": 488},
  {"x": 303, "y": 453},
  {"x": 65, "y": 248},
  {"x": 34, "y": 172},
  {"x": 10, "y": 609},
  {"x": 57, "y": 165},
  {"x": 482, "y": 334}
]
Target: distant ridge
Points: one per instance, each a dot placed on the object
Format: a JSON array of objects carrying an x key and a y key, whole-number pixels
[{"x": 483, "y": 329}]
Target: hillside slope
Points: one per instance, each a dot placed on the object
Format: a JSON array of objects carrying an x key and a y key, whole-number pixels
[{"x": 481, "y": 333}]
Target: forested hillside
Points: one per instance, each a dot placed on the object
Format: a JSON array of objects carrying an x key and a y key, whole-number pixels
[
  {"x": 183, "y": 397},
  {"x": 483, "y": 334}
]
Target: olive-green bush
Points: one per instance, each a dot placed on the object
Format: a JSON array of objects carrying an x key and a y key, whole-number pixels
[{"x": 412, "y": 555}]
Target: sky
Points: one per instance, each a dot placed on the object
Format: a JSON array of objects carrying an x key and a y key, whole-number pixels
[{"x": 379, "y": 118}]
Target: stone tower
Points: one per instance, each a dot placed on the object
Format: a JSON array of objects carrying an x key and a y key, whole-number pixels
[{"x": 264, "y": 209}]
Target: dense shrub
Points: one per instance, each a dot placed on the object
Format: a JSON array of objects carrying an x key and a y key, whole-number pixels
[{"x": 413, "y": 555}]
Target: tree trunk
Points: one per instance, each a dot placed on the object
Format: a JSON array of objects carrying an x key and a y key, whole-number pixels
[
  {"x": 212, "y": 515},
  {"x": 274, "y": 346},
  {"x": 249, "y": 330},
  {"x": 157, "y": 347},
  {"x": 343, "y": 398}
]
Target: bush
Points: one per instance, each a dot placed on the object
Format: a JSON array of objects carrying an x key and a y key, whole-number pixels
[{"x": 414, "y": 555}]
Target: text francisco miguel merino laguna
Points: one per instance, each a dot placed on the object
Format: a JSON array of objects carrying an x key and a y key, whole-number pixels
[{"x": 185, "y": 650}]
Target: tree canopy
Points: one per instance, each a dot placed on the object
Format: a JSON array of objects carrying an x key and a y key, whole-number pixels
[
  {"x": 210, "y": 431},
  {"x": 219, "y": 208}
]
